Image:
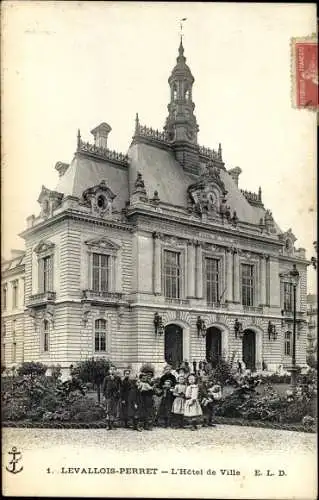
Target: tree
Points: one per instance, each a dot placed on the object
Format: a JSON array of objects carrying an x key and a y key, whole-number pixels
[{"x": 93, "y": 371}]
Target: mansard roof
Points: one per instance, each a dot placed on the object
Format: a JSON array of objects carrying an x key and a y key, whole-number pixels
[
  {"x": 86, "y": 172},
  {"x": 161, "y": 172}
]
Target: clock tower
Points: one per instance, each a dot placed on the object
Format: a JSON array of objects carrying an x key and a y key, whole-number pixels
[{"x": 181, "y": 125}]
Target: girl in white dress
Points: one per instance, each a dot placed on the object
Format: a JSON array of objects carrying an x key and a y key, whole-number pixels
[
  {"x": 179, "y": 401},
  {"x": 192, "y": 408}
]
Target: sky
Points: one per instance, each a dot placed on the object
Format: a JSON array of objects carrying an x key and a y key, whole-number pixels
[{"x": 70, "y": 65}]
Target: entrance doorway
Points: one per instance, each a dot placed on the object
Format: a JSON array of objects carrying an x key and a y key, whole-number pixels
[
  {"x": 173, "y": 345},
  {"x": 213, "y": 345},
  {"x": 249, "y": 349}
]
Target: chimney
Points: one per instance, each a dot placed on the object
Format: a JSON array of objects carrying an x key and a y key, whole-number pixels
[
  {"x": 100, "y": 134},
  {"x": 61, "y": 167},
  {"x": 235, "y": 173}
]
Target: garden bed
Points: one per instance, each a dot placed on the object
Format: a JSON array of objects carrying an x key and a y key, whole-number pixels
[{"x": 297, "y": 427}]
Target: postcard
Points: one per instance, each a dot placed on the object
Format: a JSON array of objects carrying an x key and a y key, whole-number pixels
[{"x": 159, "y": 308}]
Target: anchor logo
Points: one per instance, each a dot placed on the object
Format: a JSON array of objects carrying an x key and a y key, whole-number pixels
[{"x": 16, "y": 456}]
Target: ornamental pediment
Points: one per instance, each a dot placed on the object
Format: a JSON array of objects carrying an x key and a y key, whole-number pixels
[
  {"x": 99, "y": 198},
  {"x": 103, "y": 243},
  {"x": 208, "y": 193},
  {"x": 43, "y": 246}
]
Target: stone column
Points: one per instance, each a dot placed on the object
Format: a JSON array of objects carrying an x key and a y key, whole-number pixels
[
  {"x": 229, "y": 275},
  {"x": 262, "y": 285},
  {"x": 274, "y": 282},
  {"x": 236, "y": 277},
  {"x": 190, "y": 269},
  {"x": 118, "y": 272},
  {"x": 199, "y": 272},
  {"x": 157, "y": 264}
]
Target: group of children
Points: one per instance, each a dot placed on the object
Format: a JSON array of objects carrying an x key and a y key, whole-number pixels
[{"x": 175, "y": 399}]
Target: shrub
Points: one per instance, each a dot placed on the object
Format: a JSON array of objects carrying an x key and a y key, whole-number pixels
[
  {"x": 93, "y": 371},
  {"x": 312, "y": 361},
  {"x": 55, "y": 371},
  {"x": 223, "y": 373},
  {"x": 32, "y": 368}
]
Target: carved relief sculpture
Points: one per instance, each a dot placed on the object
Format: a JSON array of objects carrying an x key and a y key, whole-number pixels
[{"x": 99, "y": 198}]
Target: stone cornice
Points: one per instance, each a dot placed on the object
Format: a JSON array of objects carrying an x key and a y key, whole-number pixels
[
  {"x": 75, "y": 215},
  {"x": 12, "y": 272},
  {"x": 200, "y": 225},
  {"x": 294, "y": 260}
]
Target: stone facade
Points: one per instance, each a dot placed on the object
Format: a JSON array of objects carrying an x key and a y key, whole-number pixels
[
  {"x": 312, "y": 317},
  {"x": 157, "y": 256}
]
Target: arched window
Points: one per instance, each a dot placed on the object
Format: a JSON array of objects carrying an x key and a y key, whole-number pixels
[
  {"x": 174, "y": 92},
  {"x": 287, "y": 344},
  {"x": 187, "y": 95},
  {"x": 46, "y": 335},
  {"x": 100, "y": 335}
]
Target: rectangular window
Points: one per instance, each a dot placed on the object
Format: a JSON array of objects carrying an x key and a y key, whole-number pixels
[
  {"x": 212, "y": 280},
  {"x": 14, "y": 352},
  {"x": 3, "y": 330},
  {"x": 100, "y": 272},
  {"x": 172, "y": 274},
  {"x": 287, "y": 344},
  {"x": 46, "y": 335},
  {"x": 100, "y": 335},
  {"x": 23, "y": 291},
  {"x": 4, "y": 297},
  {"x": 247, "y": 284},
  {"x": 47, "y": 274},
  {"x": 15, "y": 294},
  {"x": 288, "y": 294}
]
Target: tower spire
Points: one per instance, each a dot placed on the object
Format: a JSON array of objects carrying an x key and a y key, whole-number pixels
[{"x": 181, "y": 124}]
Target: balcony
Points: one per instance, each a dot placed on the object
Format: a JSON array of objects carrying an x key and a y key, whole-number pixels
[
  {"x": 253, "y": 309},
  {"x": 101, "y": 297},
  {"x": 217, "y": 305},
  {"x": 40, "y": 299},
  {"x": 288, "y": 315},
  {"x": 177, "y": 302}
]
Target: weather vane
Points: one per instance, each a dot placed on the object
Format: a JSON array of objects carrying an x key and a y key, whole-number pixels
[{"x": 181, "y": 25}]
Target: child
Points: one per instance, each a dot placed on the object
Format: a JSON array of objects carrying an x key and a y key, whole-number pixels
[
  {"x": 111, "y": 389},
  {"x": 125, "y": 390},
  {"x": 179, "y": 401},
  {"x": 192, "y": 409},
  {"x": 146, "y": 405},
  {"x": 133, "y": 403},
  {"x": 165, "y": 408},
  {"x": 213, "y": 393}
]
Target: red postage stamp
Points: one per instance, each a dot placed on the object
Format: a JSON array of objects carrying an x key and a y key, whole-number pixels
[{"x": 305, "y": 73}]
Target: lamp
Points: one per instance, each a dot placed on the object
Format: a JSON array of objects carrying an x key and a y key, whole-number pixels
[
  {"x": 201, "y": 327},
  {"x": 272, "y": 332},
  {"x": 158, "y": 324},
  {"x": 238, "y": 327},
  {"x": 294, "y": 276}
]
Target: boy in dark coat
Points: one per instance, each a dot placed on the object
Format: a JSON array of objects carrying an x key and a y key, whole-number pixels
[
  {"x": 133, "y": 405},
  {"x": 146, "y": 406},
  {"x": 111, "y": 389},
  {"x": 165, "y": 408},
  {"x": 125, "y": 390}
]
